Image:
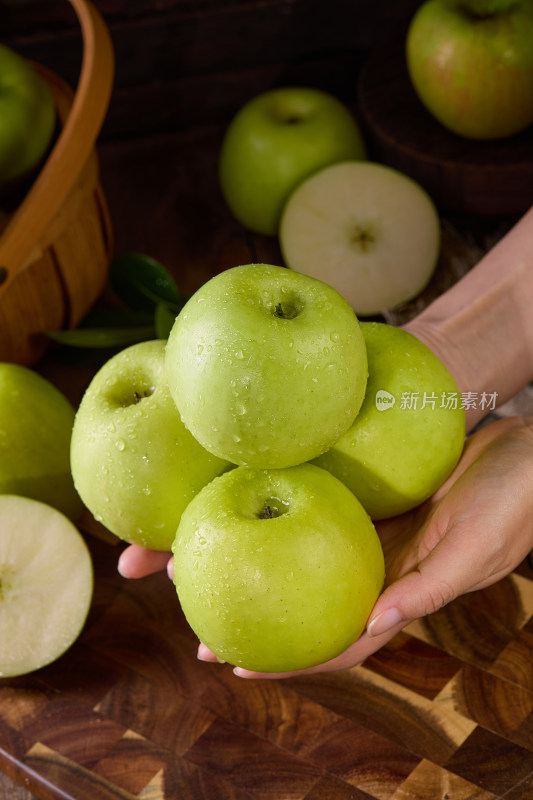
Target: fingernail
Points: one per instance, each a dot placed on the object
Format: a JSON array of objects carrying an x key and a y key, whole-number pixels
[{"x": 384, "y": 622}]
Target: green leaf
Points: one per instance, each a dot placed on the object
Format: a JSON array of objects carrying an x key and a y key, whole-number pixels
[
  {"x": 142, "y": 283},
  {"x": 103, "y": 337},
  {"x": 164, "y": 320}
]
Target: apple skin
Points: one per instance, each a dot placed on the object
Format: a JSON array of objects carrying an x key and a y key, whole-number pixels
[
  {"x": 27, "y": 118},
  {"x": 35, "y": 429},
  {"x": 367, "y": 229},
  {"x": 46, "y": 581},
  {"x": 394, "y": 458},
  {"x": 134, "y": 464},
  {"x": 474, "y": 71},
  {"x": 275, "y": 141},
  {"x": 258, "y": 389},
  {"x": 281, "y": 593}
]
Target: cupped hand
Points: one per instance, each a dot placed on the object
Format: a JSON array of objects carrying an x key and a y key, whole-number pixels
[
  {"x": 475, "y": 530},
  {"x": 472, "y": 532}
]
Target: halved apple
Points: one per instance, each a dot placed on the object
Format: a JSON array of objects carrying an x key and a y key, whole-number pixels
[
  {"x": 46, "y": 584},
  {"x": 366, "y": 229}
]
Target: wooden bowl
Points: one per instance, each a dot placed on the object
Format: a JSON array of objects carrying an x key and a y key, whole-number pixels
[
  {"x": 469, "y": 177},
  {"x": 56, "y": 247}
]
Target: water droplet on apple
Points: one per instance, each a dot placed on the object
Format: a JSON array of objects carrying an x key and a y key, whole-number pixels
[
  {"x": 147, "y": 491},
  {"x": 335, "y": 337},
  {"x": 239, "y": 354},
  {"x": 236, "y": 438},
  {"x": 240, "y": 409},
  {"x": 120, "y": 444},
  {"x": 200, "y": 349}
]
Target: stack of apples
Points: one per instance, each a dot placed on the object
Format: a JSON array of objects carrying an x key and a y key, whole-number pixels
[{"x": 259, "y": 443}]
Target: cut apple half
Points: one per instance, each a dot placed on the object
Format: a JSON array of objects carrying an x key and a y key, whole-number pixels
[
  {"x": 367, "y": 230},
  {"x": 46, "y": 584}
]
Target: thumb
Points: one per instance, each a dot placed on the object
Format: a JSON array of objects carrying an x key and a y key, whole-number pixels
[{"x": 444, "y": 574}]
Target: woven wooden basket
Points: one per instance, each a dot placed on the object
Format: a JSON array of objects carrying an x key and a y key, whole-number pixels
[{"x": 56, "y": 247}]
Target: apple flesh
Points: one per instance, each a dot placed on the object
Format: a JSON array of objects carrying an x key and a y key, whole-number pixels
[
  {"x": 409, "y": 433},
  {"x": 46, "y": 584},
  {"x": 35, "y": 429},
  {"x": 27, "y": 118},
  {"x": 275, "y": 141},
  {"x": 471, "y": 65},
  {"x": 277, "y": 570},
  {"x": 266, "y": 366},
  {"x": 134, "y": 464},
  {"x": 368, "y": 230}
]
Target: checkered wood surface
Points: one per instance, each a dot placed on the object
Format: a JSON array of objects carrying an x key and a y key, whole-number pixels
[{"x": 444, "y": 712}]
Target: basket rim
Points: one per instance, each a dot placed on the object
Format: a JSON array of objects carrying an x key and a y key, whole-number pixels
[{"x": 71, "y": 150}]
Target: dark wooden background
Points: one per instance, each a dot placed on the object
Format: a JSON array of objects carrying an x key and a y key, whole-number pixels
[{"x": 183, "y": 68}]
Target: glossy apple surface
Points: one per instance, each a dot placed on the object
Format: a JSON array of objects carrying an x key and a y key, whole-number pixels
[
  {"x": 267, "y": 367},
  {"x": 35, "y": 428},
  {"x": 46, "y": 584},
  {"x": 409, "y": 433},
  {"x": 277, "y": 570},
  {"x": 276, "y": 140},
  {"x": 368, "y": 230},
  {"x": 27, "y": 117},
  {"x": 471, "y": 64},
  {"x": 134, "y": 463}
]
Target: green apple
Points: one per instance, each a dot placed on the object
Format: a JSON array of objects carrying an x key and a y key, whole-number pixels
[
  {"x": 409, "y": 433},
  {"x": 471, "y": 65},
  {"x": 135, "y": 465},
  {"x": 27, "y": 117},
  {"x": 35, "y": 428},
  {"x": 46, "y": 584},
  {"x": 368, "y": 230},
  {"x": 277, "y": 570},
  {"x": 275, "y": 141},
  {"x": 267, "y": 366}
]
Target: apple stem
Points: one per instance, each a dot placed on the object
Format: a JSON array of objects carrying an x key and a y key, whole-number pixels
[
  {"x": 285, "y": 312},
  {"x": 138, "y": 396}
]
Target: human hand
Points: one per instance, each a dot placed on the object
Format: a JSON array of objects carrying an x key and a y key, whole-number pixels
[
  {"x": 137, "y": 562},
  {"x": 475, "y": 530}
]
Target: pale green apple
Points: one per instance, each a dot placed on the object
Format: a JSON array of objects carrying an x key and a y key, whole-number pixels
[
  {"x": 275, "y": 141},
  {"x": 134, "y": 464},
  {"x": 46, "y": 584},
  {"x": 27, "y": 117},
  {"x": 277, "y": 570},
  {"x": 409, "y": 433},
  {"x": 267, "y": 367},
  {"x": 368, "y": 230},
  {"x": 471, "y": 65},
  {"x": 35, "y": 428}
]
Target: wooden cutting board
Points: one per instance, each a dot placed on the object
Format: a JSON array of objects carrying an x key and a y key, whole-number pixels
[
  {"x": 469, "y": 177},
  {"x": 444, "y": 711}
]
